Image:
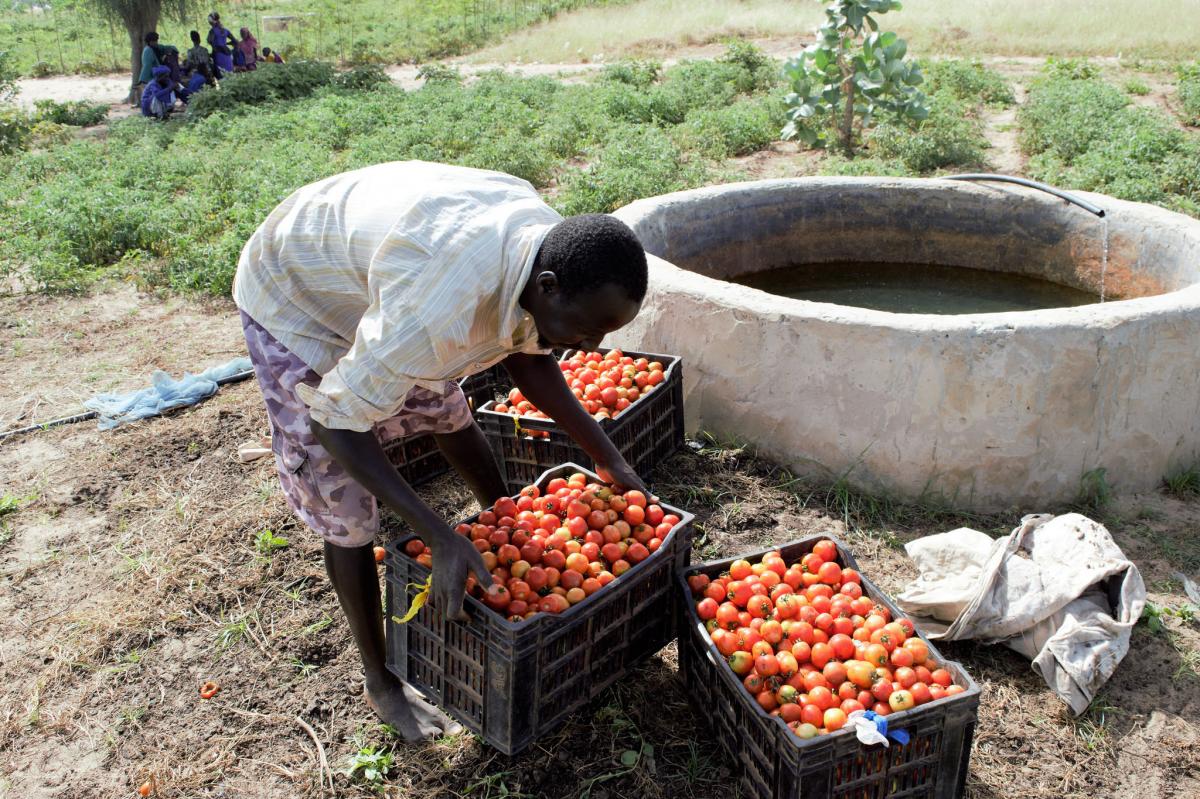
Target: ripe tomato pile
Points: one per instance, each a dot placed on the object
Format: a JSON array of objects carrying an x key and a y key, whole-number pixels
[
  {"x": 810, "y": 647},
  {"x": 605, "y": 384},
  {"x": 549, "y": 551}
]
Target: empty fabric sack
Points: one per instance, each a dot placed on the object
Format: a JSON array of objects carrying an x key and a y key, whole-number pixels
[{"x": 1057, "y": 589}]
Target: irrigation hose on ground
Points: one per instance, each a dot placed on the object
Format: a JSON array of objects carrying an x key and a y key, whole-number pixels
[{"x": 82, "y": 417}]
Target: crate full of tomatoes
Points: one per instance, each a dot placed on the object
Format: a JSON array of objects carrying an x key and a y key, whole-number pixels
[
  {"x": 418, "y": 458},
  {"x": 636, "y": 397},
  {"x": 790, "y": 647},
  {"x": 588, "y": 592}
]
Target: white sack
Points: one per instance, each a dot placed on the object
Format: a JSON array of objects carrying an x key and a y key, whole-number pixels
[{"x": 1057, "y": 590}]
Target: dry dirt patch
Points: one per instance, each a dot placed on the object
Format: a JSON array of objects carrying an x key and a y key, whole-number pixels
[{"x": 130, "y": 575}]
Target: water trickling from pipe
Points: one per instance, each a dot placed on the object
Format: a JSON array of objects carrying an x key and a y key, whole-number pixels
[{"x": 1103, "y": 255}]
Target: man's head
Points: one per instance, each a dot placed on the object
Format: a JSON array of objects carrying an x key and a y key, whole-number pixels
[
  {"x": 214, "y": 19},
  {"x": 588, "y": 279},
  {"x": 162, "y": 75},
  {"x": 266, "y": 52},
  {"x": 151, "y": 38},
  {"x": 195, "y": 37}
]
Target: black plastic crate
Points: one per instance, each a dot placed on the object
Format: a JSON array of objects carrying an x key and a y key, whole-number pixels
[
  {"x": 772, "y": 763},
  {"x": 646, "y": 433},
  {"x": 511, "y": 682},
  {"x": 418, "y": 458}
]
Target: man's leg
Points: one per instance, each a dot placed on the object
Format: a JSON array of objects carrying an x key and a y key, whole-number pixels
[
  {"x": 355, "y": 578},
  {"x": 468, "y": 452},
  {"x": 326, "y": 499}
]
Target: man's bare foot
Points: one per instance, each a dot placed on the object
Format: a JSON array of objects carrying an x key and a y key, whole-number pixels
[{"x": 404, "y": 709}]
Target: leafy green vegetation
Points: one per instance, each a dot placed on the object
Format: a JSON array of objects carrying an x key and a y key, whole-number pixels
[
  {"x": 8, "y": 77},
  {"x": 171, "y": 204},
  {"x": 271, "y": 82},
  {"x": 369, "y": 765},
  {"x": 76, "y": 113},
  {"x": 1187, "y": 88},
  {"x": 67, "y": 37},
  {"x": 1184, "y": 482},
  {"x": 950, "y": 136},
  {"x": 852, "y": 73},
  {"x": 968, "y": 81},
  {"x": 1136, "y": 87},
  {"x": 1082, "y": 133}
]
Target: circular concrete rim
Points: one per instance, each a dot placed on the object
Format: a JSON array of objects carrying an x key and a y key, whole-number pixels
[{"x": 1096, "y": 314}]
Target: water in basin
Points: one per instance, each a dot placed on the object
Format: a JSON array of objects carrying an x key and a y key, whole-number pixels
[{"x": 916, "y": 288}]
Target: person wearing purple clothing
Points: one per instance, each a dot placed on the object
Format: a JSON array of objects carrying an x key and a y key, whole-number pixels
[
  {"x": 222, "y": 43},
  {"x": 201, "y": 77},
  {"x": 158, "y": 98}
]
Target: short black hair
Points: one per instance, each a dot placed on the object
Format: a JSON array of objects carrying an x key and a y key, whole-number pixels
[
  {"x": 266, "y": 51},
  {"x": 151, "y": 37},
  {"x": 587, "y": 251},
  {"x": 195, "y": 36}
]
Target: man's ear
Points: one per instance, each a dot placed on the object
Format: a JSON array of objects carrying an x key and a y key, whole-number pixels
[{"x": 547, "y": 282}]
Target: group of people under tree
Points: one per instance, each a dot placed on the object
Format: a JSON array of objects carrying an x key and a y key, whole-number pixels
[{"x": 164, "y": 80}]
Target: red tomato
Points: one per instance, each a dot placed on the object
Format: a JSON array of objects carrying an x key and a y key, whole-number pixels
[
  {"x": 821, "y": 654},
  {"x": 835, "y": 672},
  {"x": 767, "y": 665},
  {"x": 760, "y": 607},
  {"x": 822, "y": 697},
  {"x": 920, "y": 693},
  {"x": 826, "y": 550},
  {"x": 811, "y": 714}
]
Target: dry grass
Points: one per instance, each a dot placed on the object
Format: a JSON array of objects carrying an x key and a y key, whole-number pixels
[
  {"x": 132, "y": 577},
  {"x": 650, "y": 27},
  {"x": 1156, "y": 29}
]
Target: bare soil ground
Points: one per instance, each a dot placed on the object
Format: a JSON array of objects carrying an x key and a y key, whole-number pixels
[{"x": 129, "y": 575}]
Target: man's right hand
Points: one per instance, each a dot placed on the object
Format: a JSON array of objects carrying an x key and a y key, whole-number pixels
[
  {"x": 362, "y": 456},
  {"x": 454, "y": 556}
]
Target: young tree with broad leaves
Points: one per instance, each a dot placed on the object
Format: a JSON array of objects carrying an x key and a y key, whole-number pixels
[
  {"x": 850, "y": 74},
  {"x": 139, "y": 18}
]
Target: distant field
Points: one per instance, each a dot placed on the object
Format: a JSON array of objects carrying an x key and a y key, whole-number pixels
[
  {"x": 73, "y": 38},
  {"x": 1154, "y": 29}
]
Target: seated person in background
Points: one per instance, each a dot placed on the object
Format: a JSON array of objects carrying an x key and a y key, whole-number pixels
[
  {"x": 149, "y": 59},
  {"x": 197, "y": 55},
  {"x": 168, "y": 56},
  {"x": 200, "y": 77},
  {"x": 158, "y": 98},
  {"x": 271, "y": 56}
]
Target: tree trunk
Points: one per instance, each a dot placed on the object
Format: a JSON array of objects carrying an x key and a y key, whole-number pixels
[
  {"x": 138, "y": 28},
  {"x": 846, "y": 128}
]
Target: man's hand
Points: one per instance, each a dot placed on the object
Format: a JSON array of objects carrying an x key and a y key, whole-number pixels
[
  {"x": 540, "y": 379},
  {"x": 622, "y": 475},
  {"x": 453, "y": 556}
]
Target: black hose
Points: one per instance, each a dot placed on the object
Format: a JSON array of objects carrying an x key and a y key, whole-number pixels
[
  {"x": 83, "y": 417},
  {"x": 1032, "y": 184}
]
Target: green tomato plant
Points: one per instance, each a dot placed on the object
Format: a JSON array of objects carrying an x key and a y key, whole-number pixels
[{"x": 851, "y": 73}]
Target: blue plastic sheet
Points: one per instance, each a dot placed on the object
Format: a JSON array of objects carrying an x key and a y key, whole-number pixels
[{"x": 164, "y": 394}]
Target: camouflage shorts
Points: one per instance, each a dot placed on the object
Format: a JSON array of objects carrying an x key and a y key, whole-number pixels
[{"x": 317, "y": 487}]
